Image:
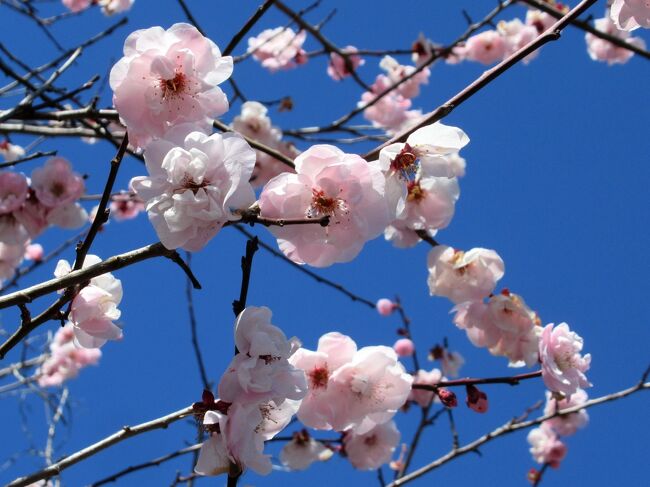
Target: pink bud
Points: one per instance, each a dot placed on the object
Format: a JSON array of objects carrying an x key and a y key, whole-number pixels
[
  {"x": 385, "y": 306},
  {"x": 447, "y": 398},
  {"x": 404, "y": 347},
  {"x": 34, "y": 252},
  {"x": 476, "y": 399}
]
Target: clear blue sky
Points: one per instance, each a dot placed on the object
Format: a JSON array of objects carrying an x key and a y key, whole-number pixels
[{"x": 557, "y": 182}]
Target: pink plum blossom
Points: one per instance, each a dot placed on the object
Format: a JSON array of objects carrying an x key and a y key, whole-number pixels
[
  {"x": 390, "y": 111},
  {"x": 126, "y": 206},
  {"x": 486, "y": 48},
  {"x": 404, "y": 347},
  {"x": 334, "y": 350},
  {"x": 10, "y": 258},
  {"x": 568, "y": 424},
  {"x": 397, "y": 72},
  {"x": 328, "y": 183},
  {"x": 302, "y": 451},
  {"x": 13, "y": 191},
  {"x": 631, "y": 14},
  {"x": 385, "y": 306},
  {"x": 255, "y": 123},
  {"x": 34, "y": 252},
  {"x": 517, "y": 35},
  {"x": 168, "y": 77},
  {"x": 463, "y": 276},
  {"x": 545, "y": 446},
  {"x": 401, "y": 236},
  {"x": 65, "y": 358},
  {"x": 279, "y": 48},
  {"x": 337, "y": 68},
  {"x": 540, "y": 20},
  {"x": 602, "y": 50},
  {"x": 371, "y": 449},
  {"x": 261, "y": 371},
  {"x": 563, "y": 367},
  {"x": 94, "y": 308},
  {"x": 11, "y": 152},
  {"x": 55, "y": 184},
  {"x": 112, "y": 7},
  {"x": 196, "y": 184},
  {"x": 77, "y": 5},
  {"x": 421, "y": 396}
]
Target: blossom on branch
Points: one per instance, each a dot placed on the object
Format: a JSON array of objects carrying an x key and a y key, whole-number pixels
[
  {"x": 371, "y": 449},
  {"x": 279, "y": 48},
  {"x": 603, "y": 50},
  {"x": 303, "y": 450},
  {"x": 545, "y": 446},
  {"x": 337, "y": 69},
  {"x": 631, "y": 14}
]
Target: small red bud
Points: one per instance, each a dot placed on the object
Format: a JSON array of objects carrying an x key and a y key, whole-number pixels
[
  {"x": 476, "y": 399},
  {"x": 447, "y": 397}
]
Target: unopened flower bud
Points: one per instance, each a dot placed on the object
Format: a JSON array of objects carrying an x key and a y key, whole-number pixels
[
  {"x": 404, "y": 347},
  {"x": 447, "y": 398},
  {"x": 476, "y": 399},
  {"x": 385, "y": 306}
]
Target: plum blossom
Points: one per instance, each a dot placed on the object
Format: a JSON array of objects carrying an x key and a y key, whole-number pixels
[
  {"x": 568, "y": 424},
  {"x": 396, "y": 72},
  {"x": 389, "y": 112},
  {"x": 401, "y": 236},
  {"x": 302, "y": 451},
  {"x": 385, "y": 306},
  {"x": 34, "y": 252},
  {"x": 545, "y": 446},
  {"x": 563, "y": 367},
  {"x": 66, "y": 359},
  {"x": 404, "y": 347},
  {"x": 463, "y": 276},
  {"x": 10, "y": 258},
  {"x": 77, "y": 5},
  {"x": 13, "y": 191},
  {"x": 196, "y": 183},
  {"x": 486, "y": 48},
  {"x": 11, "y": 152},
  {"x": 112, "y": 7},
  {"x": 55, "y": 184},
  {"x": 261, "y": 370},
  {"x": 328, "y": 183},
  {"x": 125, "y": 206},
  {"x": 337, "y": 68},
  {"x": 334, "y": 350},
  {"x": 421, "y": 396},
  {"x": 279, "y": 48},
  {"x": 94, "y": 308},
  {"x": 517, "y": 35},
  {"x": 476, "y": 399},
  {"x": 602, "y": 50},
  {"x": 541, "y": 20},
  {"x": 255, "y": 123},
  {"x": 168, "y": 77},
  {"x": 372, "y": 449},
  {"x": 422, "y": 49},
  {"x": 631, "y": 14}
]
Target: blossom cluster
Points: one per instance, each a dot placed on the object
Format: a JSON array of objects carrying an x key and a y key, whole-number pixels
[{"x": 109, "y": 7}]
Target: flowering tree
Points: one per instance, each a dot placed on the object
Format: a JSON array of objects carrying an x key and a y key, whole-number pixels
[{"x": 173, "y": 130}]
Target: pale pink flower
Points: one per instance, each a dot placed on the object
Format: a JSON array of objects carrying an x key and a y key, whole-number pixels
[
  {"x": 112, "y": 7},
  {"x": 70, "y": 216},
  {"x": 31, "y": 219},
  {"x": 334, "y": 350},
  {"x": 397, "y": 72},
  {"x": 13, "y": 191},
  {"x": 631, "y": 14},
  {"x": 65, "y": 358},
  {"x": 563, "y": 368},
  {"x": 261, "y": 370},
  {"x": 213, "y": 456},
  {"x": 55, "y": 184},
  {"x": 423, "y": 397},
  {"x": 540, "y": 20},
  {"x": 463, "y": 276},
  {"x": 77, "y": 5},
  {"x": 126, "y": 206},
  {"x": 385, "y": 306},
  {"x": 568, "y": 424},
  {"x": 10, "y": 258},
  {"x": 337, "y": 68},
  {"x": 487, "y": 47},
  {"x": 546, "y": 447},
  {"x": 196, "y": 184},
  {"x": 94, "y": 308},
  {"x": 11, "y": 152},
  {"x": 328, "y": 183},
  {"x": 404, "y": 347},
  {"x": 517, "y": 35},
  {"x": 279, "y": 48},
  {"x": 390, "y": 111},
  {"x": 602, "y": 50},
  {"x": 255, "y": 123},
  {"x": 34, "y": 252},
  {"x": 302, "y": 451},
  {"x": 401, "y": 236},
  {"x": 369, "y": 389},
  {"x": 168, "y": 77},
  {"x": 371, "y": 449}
]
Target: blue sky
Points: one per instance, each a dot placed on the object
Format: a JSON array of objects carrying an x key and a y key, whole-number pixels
[{"x": 557, "y": 182}]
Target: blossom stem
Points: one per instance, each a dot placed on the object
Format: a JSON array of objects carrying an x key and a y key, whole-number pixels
[{"x": 512, "y": 380}]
